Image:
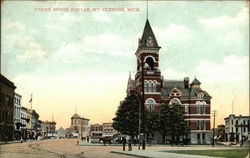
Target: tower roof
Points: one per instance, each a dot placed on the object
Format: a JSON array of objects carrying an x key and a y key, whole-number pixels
[
  {"x": 75, "y": 116},
  {"x": 148, "y": 38},
  {"x": 195, "y": 82}
]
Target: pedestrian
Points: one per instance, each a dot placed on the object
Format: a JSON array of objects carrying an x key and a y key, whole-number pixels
[
  {"x": 82, "y": 138},
  {"x": 130, "y": 144},
  {"x": 6, "y": 139},
  {"x": 87, "y": 139},
  {"x": 124, "y": 143}
]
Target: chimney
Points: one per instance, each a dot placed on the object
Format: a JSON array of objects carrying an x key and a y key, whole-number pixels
[{"x": 186, "y": 82}]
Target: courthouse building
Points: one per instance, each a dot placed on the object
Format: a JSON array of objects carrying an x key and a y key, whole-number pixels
[{"x": 194, "y": 100}]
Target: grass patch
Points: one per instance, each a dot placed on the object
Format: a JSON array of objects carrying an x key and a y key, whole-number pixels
[{"x": 234, "y": 153}]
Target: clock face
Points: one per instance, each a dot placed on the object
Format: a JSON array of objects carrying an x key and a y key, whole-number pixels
[{"x": 150, "y": 41}]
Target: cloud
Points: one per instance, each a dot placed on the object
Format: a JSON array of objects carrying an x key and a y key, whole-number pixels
[
  {"x": 227, "y": 22},
  {"x": 233, "y": 69},
  {"x": 19, "y": 38},
  {"x": 172, "y": 74},
  {"x": 174, "y": 34},
  {"x": 27, "y": 48},
  {"x": 225, "y": 82},
  {"x": 229, "y": 32}
]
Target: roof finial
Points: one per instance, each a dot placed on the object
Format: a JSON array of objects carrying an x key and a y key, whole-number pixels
[
  {"x": 75, "y": 109},
  {"x": 147, "y": 10}
]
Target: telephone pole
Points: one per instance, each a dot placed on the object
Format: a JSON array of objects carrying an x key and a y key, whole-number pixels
[
  {"x": 142, "y": 103},
  {"x": 214, "y": 113}
]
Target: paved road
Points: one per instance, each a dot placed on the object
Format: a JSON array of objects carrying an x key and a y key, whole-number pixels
[
  {"x": 67, "y": 148},
  {"x": 58, "y": 148}
]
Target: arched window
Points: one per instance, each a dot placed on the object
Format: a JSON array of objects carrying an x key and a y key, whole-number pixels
[
  {"x": 150, "y": 86},
  {"x": 154, "y": 86},
  {"x": 145, "y": 86},
  {"x": 150, "y": 63},
  {"x": 200, "y": 95},
  {"x": 150, "y": 103},
  {"x": 175, "y": 101}
]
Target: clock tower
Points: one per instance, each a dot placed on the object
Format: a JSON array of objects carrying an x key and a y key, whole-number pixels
[{"x": 147, "y": 56}]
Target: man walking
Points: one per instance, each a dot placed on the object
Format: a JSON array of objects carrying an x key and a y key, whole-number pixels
[
  {"x": 124, "y": 143},
  {"x": 130, "y": 144}
]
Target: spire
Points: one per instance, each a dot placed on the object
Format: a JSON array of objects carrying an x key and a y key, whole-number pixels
[
  {"x": 148, "y": 38},
  {"x": 147, "y": 10}
]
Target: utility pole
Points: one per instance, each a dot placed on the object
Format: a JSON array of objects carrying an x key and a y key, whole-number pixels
[
  {"x": 214, "y": 114},
  {"x": 142, "y": 103},
  {"x": 241, "y": 142}
]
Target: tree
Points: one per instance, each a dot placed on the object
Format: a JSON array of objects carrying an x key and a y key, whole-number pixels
[
  {"x": 151, "y": 122},
  {"x": 127, "y": 116},
  {"x": 172, "y": 122}
]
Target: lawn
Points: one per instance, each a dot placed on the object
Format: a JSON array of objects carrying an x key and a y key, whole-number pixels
[{"x": 234, "y": 153}]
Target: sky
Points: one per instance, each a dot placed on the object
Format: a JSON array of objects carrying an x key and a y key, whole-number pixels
[{"x": 80, "y": 60}]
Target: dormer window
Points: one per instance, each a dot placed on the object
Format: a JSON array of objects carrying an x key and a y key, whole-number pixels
[
  {"x": 200, "y": 95},
  {"x": 175, "y": 92}
]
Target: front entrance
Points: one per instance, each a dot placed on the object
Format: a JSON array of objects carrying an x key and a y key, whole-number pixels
[{"x": 198, "y": 139}]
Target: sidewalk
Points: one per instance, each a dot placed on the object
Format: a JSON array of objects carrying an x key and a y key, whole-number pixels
[{"x": 158, "y": 154}]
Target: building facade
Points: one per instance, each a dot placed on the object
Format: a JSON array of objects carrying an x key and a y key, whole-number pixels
[
  {"x": 96, "y": 131},
  {"x": 17, "y": 116},
  {"x": 49, "y": 129},
  {"x": 24, "y": 120},
  {"x": 108, "y": 130},
  {"x": 195, "y": 101},
  {"x": 7, "y": 109},
  {"x": 220, "y": 133},
  {"x": 79, "y": 126},
  {"x": 237, "y": 128}
]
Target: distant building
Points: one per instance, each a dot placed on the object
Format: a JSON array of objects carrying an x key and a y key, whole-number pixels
[
  {"x": 49, "y": 129},
  {"x": 68, "y": 133},
  {"x": 237, "y": 128},
  {"x": 7, "y": 122},
  {"x": 24, "y": 120},
  {"x": 61, "y": 133},
  {"x": 96, "y": 131},
  {"x": 79, "y": 126},
  {"x": 105, "y": 130},
  {"x": 220, "y": 134},
  {"x": 17, "y": 116},
  {"x": 108, "y": 130}
]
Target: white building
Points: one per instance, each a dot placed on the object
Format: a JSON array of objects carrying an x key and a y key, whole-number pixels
[
  {"x": 17, "y": 115},
  {"x": 79, "y": 126},
  {"x": 237, "y": 128},
  {"x": 24, "y": 120}
]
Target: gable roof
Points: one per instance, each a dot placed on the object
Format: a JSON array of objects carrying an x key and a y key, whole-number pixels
[{"x": 168, "y": 85}]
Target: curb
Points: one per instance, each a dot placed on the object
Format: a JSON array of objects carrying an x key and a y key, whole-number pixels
[{"x": 116, "y": 152}]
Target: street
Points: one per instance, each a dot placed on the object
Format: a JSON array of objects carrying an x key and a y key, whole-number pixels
[{"x": 65, "y": 148}]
